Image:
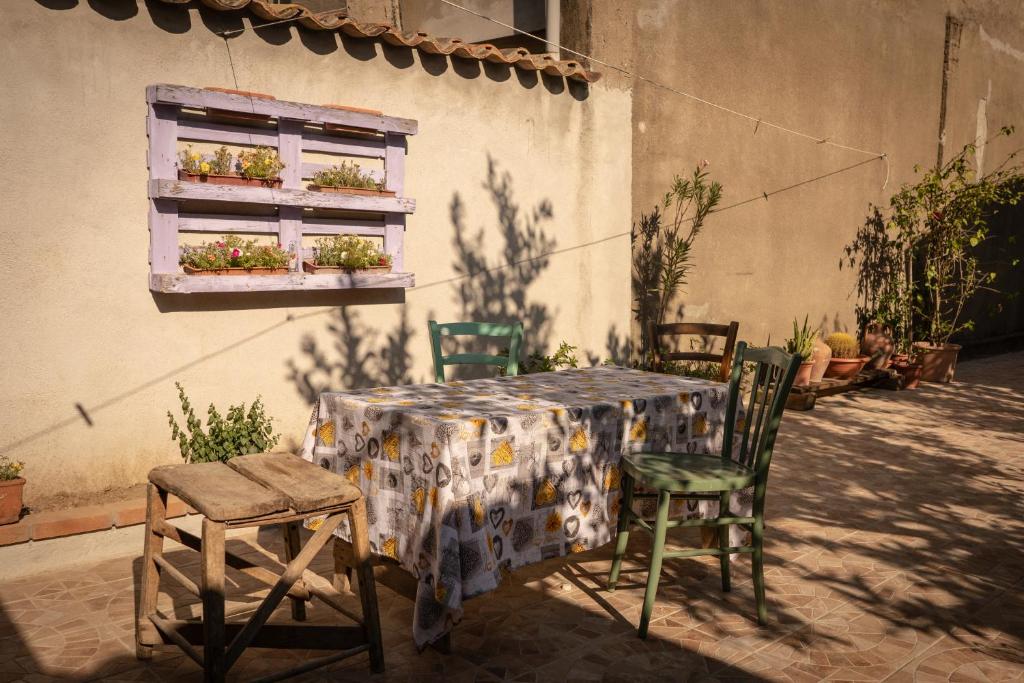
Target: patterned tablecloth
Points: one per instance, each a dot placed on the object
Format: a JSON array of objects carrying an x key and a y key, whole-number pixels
[{"x": 468, "y": 478}]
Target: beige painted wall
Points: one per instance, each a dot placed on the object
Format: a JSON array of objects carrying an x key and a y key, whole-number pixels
[
  {"x": 867, "y": 74},
  {"x": 81, "y": 327}
]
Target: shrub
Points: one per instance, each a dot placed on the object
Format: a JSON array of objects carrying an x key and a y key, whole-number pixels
[
  {"x": 349, "y": 251},
  {"x": 843, "y": 345},
  {"x": 262, "y": 163},
  {"x": 234, "y": 252},
  {"x": 345, "y": 175},
  {"x": 10, "y": 469},
  {"x": 564, "y": 357},
  {"x": 237, "y": 433},
  {"x": 802, "y": 341}
]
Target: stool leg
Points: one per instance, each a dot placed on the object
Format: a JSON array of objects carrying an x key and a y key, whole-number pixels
[
  {"x": 342, "y": 565},
  {"x": 145, "y": 632},
  {"x": 212, "y": 590},
  {"x": 367, "y": 588},
  {"x": 291, "y": 549}
]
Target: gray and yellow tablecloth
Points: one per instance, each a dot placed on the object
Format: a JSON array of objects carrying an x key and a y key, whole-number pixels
[{"x": 468, "y": 478}]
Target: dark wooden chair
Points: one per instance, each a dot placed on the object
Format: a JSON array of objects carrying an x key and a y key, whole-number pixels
[
  {"x": 655, "y": 332},
  {"x": 713, "y": 477}
]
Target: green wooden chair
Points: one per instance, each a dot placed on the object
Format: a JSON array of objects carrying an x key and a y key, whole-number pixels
[
  {"x": 713, "y": 477},
  {"x": 510, "y": 363}
]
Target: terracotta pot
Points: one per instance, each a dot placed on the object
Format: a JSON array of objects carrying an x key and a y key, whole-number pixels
[
  {"x": 214, "y": 179},
  {"x": 352, "y": 190},
  {"x": 311, "y": 267},
  {"x": 803, "y": 375},
  {"x": 878, "y": 344},
  {"x": 351, "y": 130},
  {"x": 911, "y": 373},
  {"x": 821, "y": 355},
  {"x": 234, "y": 271},
  {"x": 845, "y": 368},
  {"x": 11, "y": 491},
  {"x": 239, "y": 116},
  {"x": 938, "y": 363}
]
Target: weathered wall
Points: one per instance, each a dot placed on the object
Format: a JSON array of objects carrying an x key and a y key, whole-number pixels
[
  {"x": 506, "y": 168},
  {"x": 865, "y": 74}
]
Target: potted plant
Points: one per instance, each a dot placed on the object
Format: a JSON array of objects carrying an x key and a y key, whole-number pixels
[
  {"x": 877, "y": 344},
  {"x": 234, "y": 256},
  {"x": 908, "y": 368},
  {"x": 802, "y": 343},
  {"x": 846, "y": 360},
  {"x": 345, "y": 254},
  {"x": 348, "y": 179},
  {"x": 238, "y": 432},
  {"x": 240, "y": 117},
  {"x": 257, "y": 168},
  {"x": 821, "y": 355},
  {"x": 12, "y": 487}
]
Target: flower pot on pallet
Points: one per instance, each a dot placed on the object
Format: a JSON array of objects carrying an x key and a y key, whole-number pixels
[
  {"x": 214, "y": 179},
  {"x": 938, "y": 362},
  {"x": 189, "y": 270},
  {"x": 911, "y": 372},
  {"x": 352, "y": 190},
  {"x": 878, "y": 345},
  {"x": 845, "y": 368},
  {"x": 239, "y": 116},
  {"x": 821, "y": 356},
  {"x": 314, "y": 269},
  {"x": 11, "y": 492},
  {"x": 352, "y": 131},
  {"x": 803, "y": 374}
]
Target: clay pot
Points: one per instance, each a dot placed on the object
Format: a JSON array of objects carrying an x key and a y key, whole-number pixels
[
  {"x": 242, "y": 117},
  {"x": 311, "y": 267},
  {"x": 803, "y": 375},
  {"x": 189, "y": 270},
  {"x": 878, "y": 344},
  {"x": 351, "y": 131},
  {"x": 351, "y": 190},
  {"x": 821, "y": 355},
  {"x": 911, "y": 373},
  {"x": 938, "y": 363},
  {"x": 214, "y": 179},
  {"x": 845, "y": 368},
  {"x": 11, "y": 491}
]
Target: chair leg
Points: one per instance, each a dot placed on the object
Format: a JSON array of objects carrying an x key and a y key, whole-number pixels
[
  {"x": 654, "y": 574},
  {"x": 367, "y": 587},
  {"x": 212, "y": 589},
  {"x": 723, "y": 542},
  {"x": 156, "y": 513},
  {"x": 342, "y": 579},
  {"x": 758, "y": 569},
  {"x": 622, "y": 538},
  {"x": 291, "y": 549}
]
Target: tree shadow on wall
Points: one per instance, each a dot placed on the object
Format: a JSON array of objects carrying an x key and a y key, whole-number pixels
[{"x": 497, "y": 288}]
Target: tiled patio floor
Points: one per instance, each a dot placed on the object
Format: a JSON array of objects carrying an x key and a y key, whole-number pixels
[{"x": 895, "y": 552}]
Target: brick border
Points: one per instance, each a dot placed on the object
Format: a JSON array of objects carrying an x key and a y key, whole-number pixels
[{"x": 38, "y": 526}]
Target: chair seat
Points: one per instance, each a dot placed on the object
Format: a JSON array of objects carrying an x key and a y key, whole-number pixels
[{"x": 687, "y": 472}]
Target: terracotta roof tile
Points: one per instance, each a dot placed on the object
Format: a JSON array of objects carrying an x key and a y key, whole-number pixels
[{"x": 520, "y": 58}]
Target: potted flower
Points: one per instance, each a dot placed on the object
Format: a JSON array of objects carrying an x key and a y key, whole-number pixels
[
  {"x": 232, "y": 255},
  {"x": 345, "y": 254},
  {"x": 12, "y": 486},
  {"x": 348, "y": 179},
  {"x": 846, "y": 360},
  {"x": 258, "y": 167},
  {"x": 196, "y": 168},
  {"x": 802, "y": 343}
]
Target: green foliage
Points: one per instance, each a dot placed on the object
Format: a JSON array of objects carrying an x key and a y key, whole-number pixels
[
  {"x": 843, "y": 345},
  {"x": 10, "y": 469},
  {"x": 195, "y": 163},
  {"x": 802, "y": 341},
  {"x": 262, "y": 162},
  {"x": 349, "y": 251},
  {"x": 234, "y": 252},
  {"x": 345, "y": 175},
  {"x": 221, "y": 164},
  {"x": 662, "y": 250},
  {"x": 564, "y": 357},
  {"x": 696, "y": 369},
  {"x": 237, "y": 433}
]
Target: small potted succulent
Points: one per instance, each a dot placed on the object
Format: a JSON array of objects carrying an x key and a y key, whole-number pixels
[
  {"x": 232, "y": 255},
  {"x": 846, "y": 359},
  {"x": 12, "y": 486},
  {"x": 347, "y": 178},
  {"x": 802, "y": 342},
  {"x": 345, "y": 254},
  {"x": 258, "y": 167}
]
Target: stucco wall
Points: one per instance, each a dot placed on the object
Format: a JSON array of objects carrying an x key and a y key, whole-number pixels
[
  {"x": 515, "y": 165},
  {"x": 865, "y": 74}
]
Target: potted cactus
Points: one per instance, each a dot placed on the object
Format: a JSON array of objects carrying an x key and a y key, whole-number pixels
[
  {"x": 802, "y": 343},
  {"x": 12, "y": 486},
  {"x": 846, "y": 360}
]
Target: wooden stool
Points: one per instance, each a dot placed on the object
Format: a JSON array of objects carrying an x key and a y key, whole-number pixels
[{"x": 256, "y": 490}]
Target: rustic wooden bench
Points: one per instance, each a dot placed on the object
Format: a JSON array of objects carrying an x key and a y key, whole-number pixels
[{"x": 250, "y": 491}]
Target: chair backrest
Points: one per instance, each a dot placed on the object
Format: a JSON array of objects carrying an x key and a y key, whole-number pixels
[
  {"x": 513, "y": 331},
  {"x": 772, "y": 379},
  {"x": 655, "y": 332}
]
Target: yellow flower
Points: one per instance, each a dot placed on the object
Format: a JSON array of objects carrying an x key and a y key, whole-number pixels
[
  {"x": 204, "y": 167},
  {"x": 195, "y": 157}
]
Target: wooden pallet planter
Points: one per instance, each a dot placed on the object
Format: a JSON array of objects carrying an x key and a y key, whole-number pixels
[
  {"x": 804, "y": 398},
  {"x": 311, "y": 267},
  {"x": 290, "y": 211}
]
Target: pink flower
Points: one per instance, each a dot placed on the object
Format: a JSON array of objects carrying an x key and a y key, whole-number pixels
[
  {"x": 221, "y": 245},
  {"x": 236, "y": 253}
]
